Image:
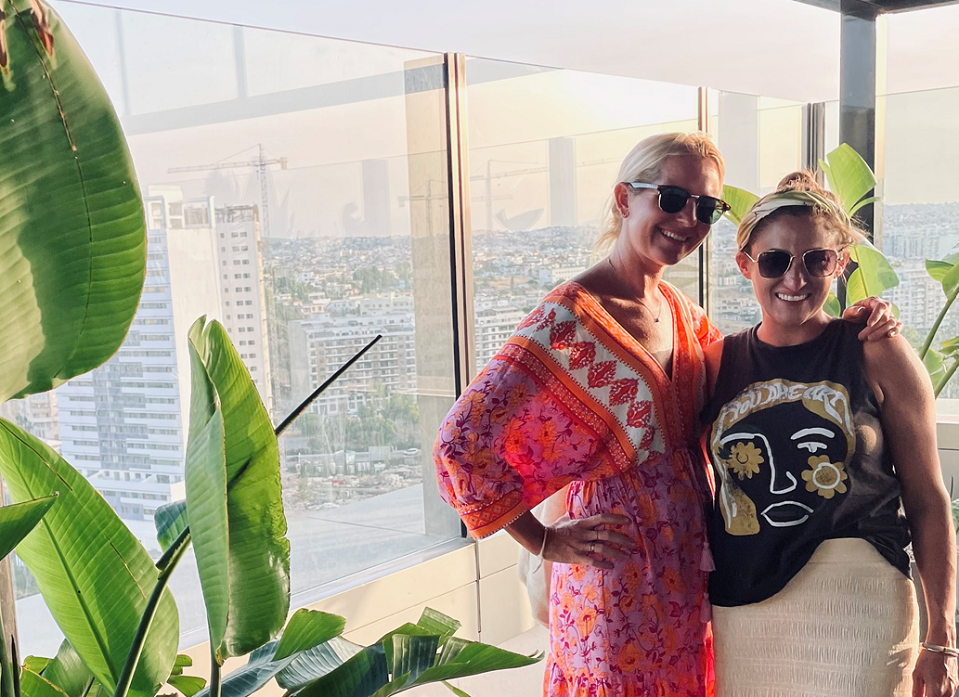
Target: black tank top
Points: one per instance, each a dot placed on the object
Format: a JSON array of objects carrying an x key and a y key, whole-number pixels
[{"x": 796, "y": 442}]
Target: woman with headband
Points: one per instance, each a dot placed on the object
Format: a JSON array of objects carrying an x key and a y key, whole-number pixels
[
  {"x": 816, "y": 440},
  {"x": 599, "y": 390}
]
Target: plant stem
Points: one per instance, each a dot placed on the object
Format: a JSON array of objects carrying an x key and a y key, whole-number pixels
[
  {"x": 6, "y": 667},
  {"x": 950, "y": 299},
  {"x": 214, "y": 673},
  {"x": 948, "y": 376},
  {"x": 169, "y": 562},
  {"x": 319, "y": 390}
]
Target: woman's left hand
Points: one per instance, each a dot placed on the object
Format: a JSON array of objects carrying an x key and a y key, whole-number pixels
[
  {"x": 935, "y": 675},
  {"x": 880, "y": 322}
]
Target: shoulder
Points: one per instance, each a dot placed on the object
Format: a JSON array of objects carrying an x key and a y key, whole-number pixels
[{"x": 893, "y": 366}]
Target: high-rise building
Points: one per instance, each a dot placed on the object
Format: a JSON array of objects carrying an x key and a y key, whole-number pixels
[
  {"x": 243, "y": 294},
  {"x": 37, "y": 414},
  {"x": 320, "y": 345},
  {"x": 124, "y": 425}
]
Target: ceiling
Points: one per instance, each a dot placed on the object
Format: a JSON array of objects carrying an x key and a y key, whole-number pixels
[{"x": 779, "y": 48}]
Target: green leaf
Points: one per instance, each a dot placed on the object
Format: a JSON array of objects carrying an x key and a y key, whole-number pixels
[
  {"x": 436, "y": 622},
  {"x": 72, "y": 228},
  {"x": 257, "y": 672},
  {"x": 455, "y": 690},
  {"x": 68, "y": 672},
  {"x": 861, "y": 204},
  {"x": 411, "y": 656},
  {"x": 170, "y": 520},
  {"x": 18, "y": 520},
  {"x": 317, "y": 662},
  {"x": 937, "y": 270},
  {"x": 950, "y": 347},
  {"x": 306, "y": 629},
  {"x": 461, "y": 658},
  {"x": 259, "y": 554},
  {"x": 740, "y": 201},
  {"x": 409, "y": 629},
  {"x": 182, "y": 661},
  {"x": 206, "y": 501},
  {"x": 33, "y": 685},
  {"x": 873, "y": 276},
  {"x": 94, "y": 575},
  {"x": 832, "y": 306},
  {"x": 935, "y": 365},
  {"x": 850, "y": 178},
  {"x": 360, "y": 676},
  {"x": 189, "y": 685},
  {"x": 36, "y": 663},
  {"x": 950, "y": 281}
]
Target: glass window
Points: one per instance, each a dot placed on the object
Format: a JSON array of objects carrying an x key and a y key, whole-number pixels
[
  {"x": 336, "y": 181},
  {"x": 761, "y": 141},
  {"x": 541, "y": 173}
]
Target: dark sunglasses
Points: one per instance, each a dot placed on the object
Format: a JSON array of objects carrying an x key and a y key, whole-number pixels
[
  {"x": 776, "y": 262},
  {"x": 673, "y": 199}
]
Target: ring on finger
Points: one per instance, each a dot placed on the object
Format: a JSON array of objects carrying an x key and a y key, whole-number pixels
[{"x": 592, "y": 547}]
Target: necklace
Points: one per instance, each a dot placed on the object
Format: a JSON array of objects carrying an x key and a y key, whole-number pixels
[{"x": 623, "y": 285}]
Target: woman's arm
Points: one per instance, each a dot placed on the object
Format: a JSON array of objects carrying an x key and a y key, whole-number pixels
[
  {"x": 581, "y": 541},
  {"x": 909, "y": 424}
]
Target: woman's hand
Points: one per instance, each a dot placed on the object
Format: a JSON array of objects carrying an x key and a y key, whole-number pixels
[
  {"x": 880, "y": 322},
  {"x": 936, "y": 675},
  {"x": 587, "y": 541}
]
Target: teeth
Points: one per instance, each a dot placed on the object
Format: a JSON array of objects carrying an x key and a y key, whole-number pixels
[
  {"x": 672, "y": 236},
  {"x": 791, "y": 298}
]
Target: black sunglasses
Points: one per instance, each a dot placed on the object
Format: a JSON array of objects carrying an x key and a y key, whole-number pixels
[
  {"x": 776, "y": 262},
  {"x": 673, "y": 199}
]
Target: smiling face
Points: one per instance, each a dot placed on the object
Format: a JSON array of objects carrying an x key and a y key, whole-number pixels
[
  {"x": 651, "y": 238},
  {"x": 792, "y": 303}
]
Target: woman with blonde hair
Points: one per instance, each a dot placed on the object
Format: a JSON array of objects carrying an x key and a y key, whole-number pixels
[
  {"x": 599, "y": 391},
  {"x": 817, "y": 439}
]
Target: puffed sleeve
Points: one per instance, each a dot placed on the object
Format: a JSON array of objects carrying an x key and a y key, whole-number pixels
[{"x": 507, "y": 444}]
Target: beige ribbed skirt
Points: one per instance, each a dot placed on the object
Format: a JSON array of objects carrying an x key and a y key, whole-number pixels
[{"x": 847, "y": 625}]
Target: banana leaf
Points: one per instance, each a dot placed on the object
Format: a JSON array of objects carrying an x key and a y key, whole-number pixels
[
  {"x": 94, "y": 575},
  {"x": 68, "y": 672},
  {"x": 206, "y": 500},
  {"x": 18, "y": 520},
  {"x": 306, "y": 629},
  {"x": 405, "y": 658},
  {"x": 33, "y": 685},
  {"x": 849, "y": 177},
  {"x": 258, "y": 671},
  {"x": 873, "y": 276},
  {"x": 255, "y": 570},
  {"x": 740, "y": 201},
  {"x": 72, "y": 228}
]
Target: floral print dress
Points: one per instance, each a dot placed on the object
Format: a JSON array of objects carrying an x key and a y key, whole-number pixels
[{"x": 572, "y": 398}]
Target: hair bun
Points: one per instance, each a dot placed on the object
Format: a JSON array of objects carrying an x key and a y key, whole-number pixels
[{"x": 803, "y": 180}]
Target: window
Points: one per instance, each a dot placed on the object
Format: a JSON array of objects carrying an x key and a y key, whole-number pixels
[{"x": 308, "y": 247}]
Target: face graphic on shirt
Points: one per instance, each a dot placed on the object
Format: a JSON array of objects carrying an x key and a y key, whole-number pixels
[{"x": 785, "y": 445}]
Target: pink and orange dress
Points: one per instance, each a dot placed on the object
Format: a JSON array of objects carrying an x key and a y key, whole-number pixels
[{"x": 572, "y": 398}]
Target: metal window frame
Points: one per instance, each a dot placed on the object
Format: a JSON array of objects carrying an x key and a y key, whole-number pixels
[{"x": 460, "y": 227}]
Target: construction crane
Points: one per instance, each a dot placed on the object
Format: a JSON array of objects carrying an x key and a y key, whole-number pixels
[{"x": 260, "y": 164}]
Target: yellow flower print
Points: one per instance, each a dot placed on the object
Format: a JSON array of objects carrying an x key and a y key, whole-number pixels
[
  {"x": 744, "y": 460},
  {"x": 824, "y": 477}
]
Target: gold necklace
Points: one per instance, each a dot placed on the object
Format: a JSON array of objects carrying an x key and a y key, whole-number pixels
[{"x": 622, "y": 284}]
